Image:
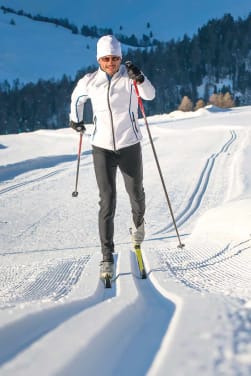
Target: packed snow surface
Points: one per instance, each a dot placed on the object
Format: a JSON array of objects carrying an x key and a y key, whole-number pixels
[{"x": 191, "y": 316}]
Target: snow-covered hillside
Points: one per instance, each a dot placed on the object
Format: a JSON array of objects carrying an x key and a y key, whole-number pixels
[
  {"x": 32, "y": 50},
  {"x": 191, "y": 316},
  {"x": 35, "y": 50},
  {"x": 167, "y": 19}
]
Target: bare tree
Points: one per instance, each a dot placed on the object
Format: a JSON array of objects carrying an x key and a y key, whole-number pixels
[
  {"x": 199, "y": 104},
  {"x": 222, "y": 100},
  {"x": 228, "y": 100},
  {"x": 186, "y": 104}
]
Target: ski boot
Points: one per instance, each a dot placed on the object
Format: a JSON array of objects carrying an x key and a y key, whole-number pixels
[
  {"x": 106, "y": 272},
  {"x": 138, "y": 233}
]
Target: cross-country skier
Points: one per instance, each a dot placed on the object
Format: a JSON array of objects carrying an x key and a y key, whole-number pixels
[{"x": 115, "y": 140}]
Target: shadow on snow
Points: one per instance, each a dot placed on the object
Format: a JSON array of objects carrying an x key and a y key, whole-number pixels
[{"x": 10, "y": 171}]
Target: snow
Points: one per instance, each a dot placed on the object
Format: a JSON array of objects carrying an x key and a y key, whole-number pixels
[
  {"x": 32, "y": 50},
  {"x": 167, "y": 19},
  {"x": 35, "y": 50},
  {"x": 191, "y": 316}
]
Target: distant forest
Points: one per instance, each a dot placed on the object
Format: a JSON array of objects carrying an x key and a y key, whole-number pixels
[
  {"x": 89, "y": 31},
  {"x": 219, "y": 51}
]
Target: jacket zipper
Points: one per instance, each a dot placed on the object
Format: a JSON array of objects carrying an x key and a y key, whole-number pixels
[
  {"x": 95, "y": 126},
  {"x": 110, "y": 110},
  {"x": 134, "y": 126}
]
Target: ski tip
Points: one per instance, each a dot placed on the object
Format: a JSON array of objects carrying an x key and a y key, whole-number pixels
[
  {"x": 143, "y": 275},
  {"x": 107, "y": 282}
]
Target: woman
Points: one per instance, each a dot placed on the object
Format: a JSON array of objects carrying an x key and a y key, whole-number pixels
[{"x": 116, "y": 138}]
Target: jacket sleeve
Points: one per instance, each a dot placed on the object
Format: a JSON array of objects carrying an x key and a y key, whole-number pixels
[
  {"x": 78, "y": 98},
  {"x": 146, "y": 90}
]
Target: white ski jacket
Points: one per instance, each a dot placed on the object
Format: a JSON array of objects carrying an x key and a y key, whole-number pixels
[{"x": 115, "y": 107}]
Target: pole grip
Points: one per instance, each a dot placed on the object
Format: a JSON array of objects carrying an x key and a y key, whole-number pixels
[{"x": 139, "y": 99}]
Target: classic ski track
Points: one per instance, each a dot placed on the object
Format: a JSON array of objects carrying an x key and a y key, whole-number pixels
[
  {"x": 204, "y": 268},
  {"x": 28, "y": 182},
  {"x": 215, "y": 268},
  {"x": 196, "y": 198},
  {"x": 55, "y": 171},
  {"x": 204, "y": 272},
  {"x": 143, "y": 315}
]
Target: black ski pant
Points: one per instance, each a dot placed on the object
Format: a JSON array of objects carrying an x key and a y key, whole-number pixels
[{"x": 106, "y": 162}]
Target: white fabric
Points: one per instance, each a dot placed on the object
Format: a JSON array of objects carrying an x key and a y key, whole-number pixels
[
  {"x": 108, "y": 45},
  {"x": 138, "y": 234},
  {"x": 115, "y": 107}
]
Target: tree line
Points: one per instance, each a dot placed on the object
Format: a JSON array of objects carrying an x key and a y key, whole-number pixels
[
  {"x": 213, "y": 66},
  {"x": 87, "y": 31}
]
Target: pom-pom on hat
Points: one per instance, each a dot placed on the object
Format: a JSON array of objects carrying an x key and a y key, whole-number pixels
[{"x": 108, "y": 45}]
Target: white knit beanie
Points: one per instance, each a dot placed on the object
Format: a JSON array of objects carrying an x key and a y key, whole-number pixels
[{"x": 108, "y": 45}]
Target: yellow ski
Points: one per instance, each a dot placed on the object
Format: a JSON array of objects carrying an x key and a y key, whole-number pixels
[{"x": 140, "y": 261}]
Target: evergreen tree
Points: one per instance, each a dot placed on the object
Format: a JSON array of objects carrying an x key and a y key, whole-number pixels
[{"x": 182, "y": 68}]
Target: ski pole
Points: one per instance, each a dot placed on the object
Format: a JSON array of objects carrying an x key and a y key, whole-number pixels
[
  {"x": 181, "y": 245},
  {"x": 75, "y": 193}
]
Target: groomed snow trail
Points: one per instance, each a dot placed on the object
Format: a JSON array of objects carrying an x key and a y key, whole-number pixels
[
  {"x": 142, "y": 316},
  {"x": 54, "y": 290},
  {"x": 56, "y": 318}
]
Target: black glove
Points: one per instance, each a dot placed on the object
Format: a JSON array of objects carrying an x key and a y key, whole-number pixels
[
  {"x": 79, "y": 127},
  {"x": 134, "y": 73}
]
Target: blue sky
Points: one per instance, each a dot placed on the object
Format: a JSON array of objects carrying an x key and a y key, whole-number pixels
[{"x": 168, "y": 18}]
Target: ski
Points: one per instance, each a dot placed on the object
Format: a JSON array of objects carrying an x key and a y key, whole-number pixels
[
  {"x": 107, "y": 273},
  {"x": 140, "y": 261},
  {"x": 107, "y": 280}
]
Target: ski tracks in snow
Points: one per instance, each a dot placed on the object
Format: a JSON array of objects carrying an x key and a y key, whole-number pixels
[
  {"x": 31, "y": 172},
  {"x": 86, "y": 328},
  {"x": 212, "y": 268},
  {"x": 44, "y": 280},
  {"x": 57, "y": 303},
  {"x": 194, "y": 202},
  {"x": 221, "y": 272},
  {"x": 28, "y": 290}
]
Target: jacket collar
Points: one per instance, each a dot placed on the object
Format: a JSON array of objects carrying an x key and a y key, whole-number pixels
[{"x": 102, "y": 76}]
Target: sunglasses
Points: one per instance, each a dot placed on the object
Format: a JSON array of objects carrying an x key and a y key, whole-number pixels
[{"x": 106, "y": 59}]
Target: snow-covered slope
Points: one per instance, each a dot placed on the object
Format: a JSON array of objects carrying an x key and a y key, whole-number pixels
[
  {"x": 192, "y": 316},
  {"x": 34, "y": 50},
  {"x": 31, "y": 50},
  {"x": 167, "y": 19}
]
